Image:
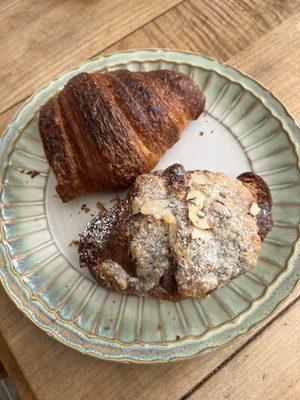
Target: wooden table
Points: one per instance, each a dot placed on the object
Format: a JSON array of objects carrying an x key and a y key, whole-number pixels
[{"x": 41, "y": 39}]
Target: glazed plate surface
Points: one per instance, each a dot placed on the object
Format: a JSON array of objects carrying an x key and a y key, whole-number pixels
[{"x": 243, "y": 128}]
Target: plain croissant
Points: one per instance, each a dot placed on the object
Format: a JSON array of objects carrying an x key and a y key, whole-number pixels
[{"x": 103, "y": 130}]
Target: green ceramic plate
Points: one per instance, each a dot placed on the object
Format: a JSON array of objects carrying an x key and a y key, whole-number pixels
[{"x": 244, "y": 128}]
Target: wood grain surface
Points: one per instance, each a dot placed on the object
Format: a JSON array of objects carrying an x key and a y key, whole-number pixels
[
  {"x": 39, "y": 40},
  {"x": 40, "y": 359},
  {"x": 259, "y": 37},
  {"x": 217, "y": 29},
  {"x": 265, "y": 372}
]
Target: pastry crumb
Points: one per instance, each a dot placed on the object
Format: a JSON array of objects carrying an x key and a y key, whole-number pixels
[
  {"x": 32, "y": 173},
  {"x": 115, "y": 199},
  {"x": 100, "y": 207},
  {"x": 74, "y": 243},
  {"x": 85, "y": 208}
]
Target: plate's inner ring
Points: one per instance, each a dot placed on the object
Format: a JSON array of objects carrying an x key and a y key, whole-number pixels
[{"x": 236, "y": 133}]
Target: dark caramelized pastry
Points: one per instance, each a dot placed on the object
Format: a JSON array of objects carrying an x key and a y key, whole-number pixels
[
  {"x": 179, "y": 234},
  {"x": 103, "y": 130}
]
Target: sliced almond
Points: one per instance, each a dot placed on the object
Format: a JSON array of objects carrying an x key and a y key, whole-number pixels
[
  {"x": 200, "y": 178},
  {"x": 193, "y": 211},
  {"x": 254, "y": 209},
  {"x": 136, "y": 204},
  {"x": 198, "y": 201},
  {"x": 197, "y": 197},
  {"x": 221, "y": 209},
  {"x": 192, "y": 194},
  {"x": 204, "y": 223},
  {"x": 153, "y": 207},
  {"x": 198, "y": 221},
  {"x": 201, "y": 234},
  {"x": 167, "y": 217}
]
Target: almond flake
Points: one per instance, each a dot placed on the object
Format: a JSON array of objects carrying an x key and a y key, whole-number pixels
[
  {"x": 200, "y": 178},
  {"x": 198, "y": 201},
  {"x": 205, "y": 235},
  {"x": 192, "y": 194},
  {"x": 167, "y": 217},
  {"x": 136, "y": 204},
  {"x": 153, "y": 207},
  {"x": 197, "y": 221},
  {"x": 254, "y": 209},
  {"x": 196, "y": 197},
  {"x": 221, "y": 209}
]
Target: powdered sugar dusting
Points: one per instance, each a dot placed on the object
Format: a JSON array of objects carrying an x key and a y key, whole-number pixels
[
  {"x": 232, "y": 245},
  {"x": 227, "y": 246}
]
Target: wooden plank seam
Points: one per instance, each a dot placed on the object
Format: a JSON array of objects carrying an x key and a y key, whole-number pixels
[{"x": 239, "y": 350}]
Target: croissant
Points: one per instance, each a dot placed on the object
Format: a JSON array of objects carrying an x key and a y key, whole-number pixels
[
  {"x": 103, "y": 130},
  {"x": 179, "y": 234}
]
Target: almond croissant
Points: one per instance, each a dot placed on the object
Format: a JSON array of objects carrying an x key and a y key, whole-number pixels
[
  {"x": 103, "y": 130},
  {"x": 179, "y": 234}
]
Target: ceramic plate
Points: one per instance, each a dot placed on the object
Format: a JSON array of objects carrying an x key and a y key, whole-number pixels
[{"x": 243, "y": 128}]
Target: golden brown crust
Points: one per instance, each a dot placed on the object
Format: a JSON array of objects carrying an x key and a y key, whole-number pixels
[
  {"x": 119, "y": 246},
  {"x": 261, "y": 192},
  {"x": 103, "y": 130}
]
